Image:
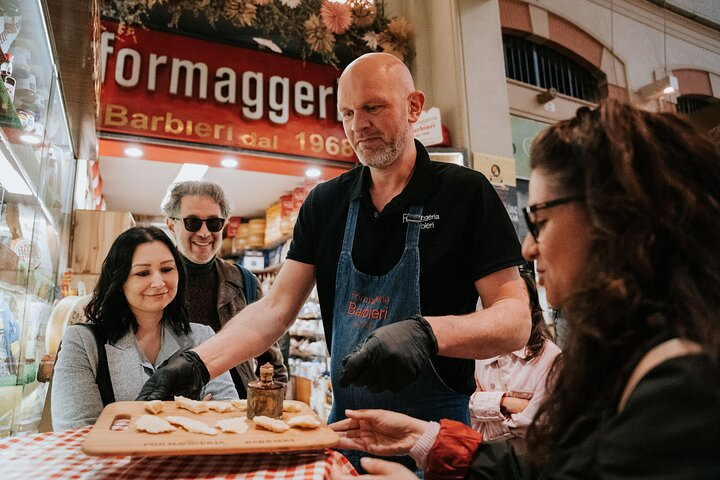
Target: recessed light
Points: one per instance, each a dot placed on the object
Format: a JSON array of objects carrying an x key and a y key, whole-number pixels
[
  {"x": 312, "y": 172},
  {"x": 229, "y": 162},
  {"x": 30, "y": 139},
  {"x": 191, "y": 171},
  {"x": 133, "y": 152}
]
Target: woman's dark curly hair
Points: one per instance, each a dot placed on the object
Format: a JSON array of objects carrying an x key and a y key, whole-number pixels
[
  {"x": 652, "y": 194},
  {"x": 108, "y": 306}
]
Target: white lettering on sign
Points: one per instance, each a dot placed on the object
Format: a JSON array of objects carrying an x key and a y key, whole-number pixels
[{"x": 193, "y": 80}]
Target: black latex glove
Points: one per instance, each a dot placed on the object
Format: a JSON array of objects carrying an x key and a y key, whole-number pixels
[
  {"x": 391, "y": 357},
  {"x": 182, "y": 374}
]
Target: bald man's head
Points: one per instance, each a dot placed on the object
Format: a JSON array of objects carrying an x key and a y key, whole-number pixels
[
  {"x": 393, "y": 72},
  {"x": 378, "y": 104}
]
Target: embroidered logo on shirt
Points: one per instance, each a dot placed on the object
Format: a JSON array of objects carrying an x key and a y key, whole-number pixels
[{"x": 426, "y": 221}]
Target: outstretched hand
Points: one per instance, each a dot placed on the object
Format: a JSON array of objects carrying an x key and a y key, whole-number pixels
[
  {"x": 182, "y": 374},
  {"x": 391, "y": 357},
  {"x": 379, "y": 432},
  {"x": 377, "y": 469}
]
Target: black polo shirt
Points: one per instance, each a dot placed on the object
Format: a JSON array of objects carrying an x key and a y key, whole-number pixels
[{"x": 465, "y": 235}]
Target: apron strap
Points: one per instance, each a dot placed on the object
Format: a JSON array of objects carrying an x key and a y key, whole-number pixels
[
  {"x": 668, "y": 350},
  {"x": 349, "y": 236},
  {"x": 413, "y": 220}
]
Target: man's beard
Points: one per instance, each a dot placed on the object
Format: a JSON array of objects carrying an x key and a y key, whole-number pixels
[{"x": 385, "y": 156}]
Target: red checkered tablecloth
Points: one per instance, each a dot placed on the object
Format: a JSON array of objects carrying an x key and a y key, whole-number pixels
[{"x": 57, "y": 455}]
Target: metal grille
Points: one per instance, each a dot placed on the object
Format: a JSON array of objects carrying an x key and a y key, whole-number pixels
[
  {"x": 542, "y": 66},
  {"x": 690, "y": 104}
]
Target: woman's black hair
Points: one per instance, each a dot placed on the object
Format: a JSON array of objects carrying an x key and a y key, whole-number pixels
[{"x": 108, "y": 306}]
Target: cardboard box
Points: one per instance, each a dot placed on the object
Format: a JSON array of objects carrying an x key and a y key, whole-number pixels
[{"x": 94, "y": 232}]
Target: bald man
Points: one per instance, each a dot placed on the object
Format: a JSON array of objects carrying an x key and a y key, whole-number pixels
[{"x": 400, "y": 248}]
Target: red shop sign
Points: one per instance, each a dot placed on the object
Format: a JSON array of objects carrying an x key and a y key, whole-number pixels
[{"x": 174, "y": 87}]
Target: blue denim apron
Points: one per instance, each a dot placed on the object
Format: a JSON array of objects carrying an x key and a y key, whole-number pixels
[{"x": 366, "y": 302}]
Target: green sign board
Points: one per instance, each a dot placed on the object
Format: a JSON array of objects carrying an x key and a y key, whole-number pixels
[{"x": 523, "y": 133}]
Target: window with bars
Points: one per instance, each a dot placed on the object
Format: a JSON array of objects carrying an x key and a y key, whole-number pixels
[
  {"x": 544, "y": 67},
  {"x": 689, "y": 104}
]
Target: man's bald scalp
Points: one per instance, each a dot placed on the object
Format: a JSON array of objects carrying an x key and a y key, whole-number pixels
[{"x": 383, "y": 64}]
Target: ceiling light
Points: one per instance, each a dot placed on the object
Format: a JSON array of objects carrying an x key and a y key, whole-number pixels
[
  {"x": 191, "y": 171},
  {"x": 11, "y": 180},
  {"x": 663, "y": 86},
  {"x": 30, "y": 139},
  {"x": 229, "y": 162},
  {"x": 133, "y": 152},
  {"x": 312, "y": 172}
]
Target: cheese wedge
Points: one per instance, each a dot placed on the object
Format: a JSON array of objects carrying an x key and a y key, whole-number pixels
[
  {"x": 153, "y": 424},
  {"x": 154, "y": 406},
  {"x": 193, "y": 426},
  {"x": 304, "y": 421},
  {"x": 233, "y": 425},
  {"x": 271, "y": 424},
  {"x": 191, "y": 405}
]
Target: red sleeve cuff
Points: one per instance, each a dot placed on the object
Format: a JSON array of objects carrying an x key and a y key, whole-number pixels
[{"x": 453, "y": 451}]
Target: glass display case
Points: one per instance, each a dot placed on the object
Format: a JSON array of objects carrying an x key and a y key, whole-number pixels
[{"x": 37, "y": 172}]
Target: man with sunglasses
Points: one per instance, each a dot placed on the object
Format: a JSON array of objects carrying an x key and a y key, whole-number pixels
[
  {"x": 196, "y": 213},
  {"x": 401, "y": 248}
]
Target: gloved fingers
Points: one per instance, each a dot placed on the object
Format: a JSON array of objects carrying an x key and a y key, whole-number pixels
[
  {"x": 152, "y": 391},
  {"x": 366, "y": 378},
  {"x": 355, "y": 363},
  {"x": 351, "y": 370}
]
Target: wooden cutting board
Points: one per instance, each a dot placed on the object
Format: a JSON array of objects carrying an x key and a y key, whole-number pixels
[{"x": 103, "y": 440}]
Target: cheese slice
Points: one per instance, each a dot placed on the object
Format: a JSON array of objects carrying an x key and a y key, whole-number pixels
[
  {"x": 154, "y": 406},
  {"x": 292, "y": 406},
  {"x": 271, "y": 424},
  {"x": 193, "y": 426},
  {"x": 233, "y": 425},
  {"x": 191, "y": 405},
  {"x": 153, "y": 424},
  {"x": 304, "y": 421},
  {"x": 220, "y": 407}
]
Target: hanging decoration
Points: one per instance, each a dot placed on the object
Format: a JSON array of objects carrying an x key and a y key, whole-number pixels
[{"x": 331, "y": 31}]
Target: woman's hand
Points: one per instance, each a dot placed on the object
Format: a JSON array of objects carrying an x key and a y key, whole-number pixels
[
  {"x": 510, "y": 405},
  {"x": 379, "y": 432},
  {"x": 377, "y": 469}
]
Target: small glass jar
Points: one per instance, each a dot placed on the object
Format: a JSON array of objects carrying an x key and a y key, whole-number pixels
[{"x": 265, "y": 397}]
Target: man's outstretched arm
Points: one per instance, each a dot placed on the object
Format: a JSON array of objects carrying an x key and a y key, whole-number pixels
[{"x": 247, "y": 335}]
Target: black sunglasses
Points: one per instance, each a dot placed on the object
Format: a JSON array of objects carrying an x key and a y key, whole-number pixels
[
  {"x": 530, "y": 210},
  {"x": 193, "y": 224}
]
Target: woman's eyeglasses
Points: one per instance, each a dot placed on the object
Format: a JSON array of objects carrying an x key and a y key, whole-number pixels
[
  {"x": 193, "y": 224},
  {"x": 530, "y": 210}
]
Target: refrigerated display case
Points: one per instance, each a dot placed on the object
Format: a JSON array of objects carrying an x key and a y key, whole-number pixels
[{"x": 37, "y": 170}]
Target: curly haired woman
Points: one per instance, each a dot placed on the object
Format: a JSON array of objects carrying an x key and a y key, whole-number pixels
[{"x": 624, "y": 230}]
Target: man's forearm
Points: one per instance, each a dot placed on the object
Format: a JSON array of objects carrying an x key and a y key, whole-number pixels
[
  {"x": 247, "y": 335},
  {"x": 501, "y": 328}
]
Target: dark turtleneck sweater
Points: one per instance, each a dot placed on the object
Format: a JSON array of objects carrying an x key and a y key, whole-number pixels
[{"x": 202, "y": 287}]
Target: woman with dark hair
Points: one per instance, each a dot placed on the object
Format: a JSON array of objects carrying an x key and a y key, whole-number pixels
[
  {"x": 511, "y": 387},
  {"x": 624, "y": 230},
  {"x": 138, "y": 317}
]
